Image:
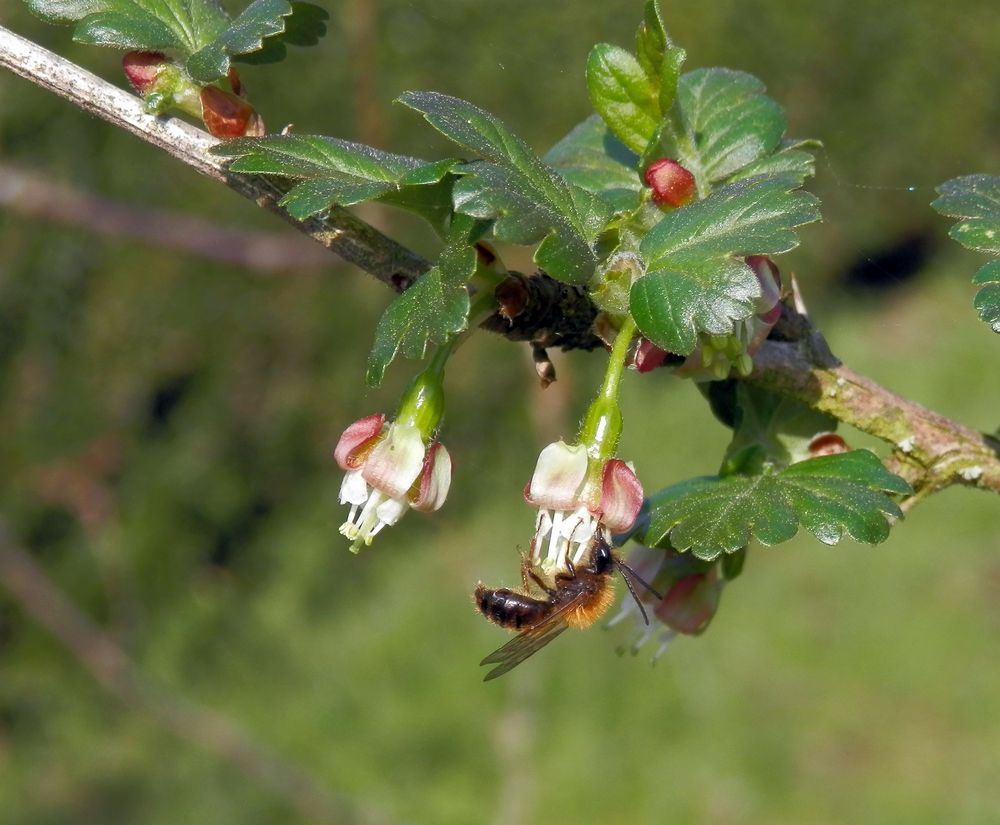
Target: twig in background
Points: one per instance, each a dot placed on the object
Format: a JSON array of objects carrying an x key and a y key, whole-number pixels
[
  {"x": 34, "y": 196},
  {"x": 27, "y": 583}
]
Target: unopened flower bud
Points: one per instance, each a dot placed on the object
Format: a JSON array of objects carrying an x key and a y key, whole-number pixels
[
  {"x": 229, "y": 116},
  {"x": 647, "y": 356},
  {"x": 672, "y": 184},
  {"x": 143, "y": 68},
  {"x": 691, "y": 602},
  {"x": 827, "y": 444}
]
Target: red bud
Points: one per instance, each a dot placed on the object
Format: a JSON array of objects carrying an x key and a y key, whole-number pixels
[
  {"x": 228, "y": 116},
  {"x": 827, "y": 444},
  {"x": 142, "y": 68},
  {"x": 647, "y": 356},
  {"x": 672, "y": 184}
]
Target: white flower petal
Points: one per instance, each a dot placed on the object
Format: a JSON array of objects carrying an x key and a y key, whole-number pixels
[
  {"x": 560, "y": 471},
  {"x": 391, "y": 510},
  {"x": 353, "y": 489}
]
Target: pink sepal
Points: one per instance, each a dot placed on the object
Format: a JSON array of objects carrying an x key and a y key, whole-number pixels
[
  {"x": 435, "y": 478},
  {"x": 647, "y": 355},
  {"x": 690, "y": 603},
  {"x": 352, "y": 449},
  {"x": 558, "y": 476},
  {"x": 769, "y": 276},
  {"x": 621, "y": 496}
]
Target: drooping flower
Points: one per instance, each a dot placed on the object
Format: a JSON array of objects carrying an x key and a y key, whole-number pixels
[
  {"x": 397, "y": 466},
  {"x": 578, "y": 497},
  {"x": 390, "y": 468},
  {"x": 691, "y": 590}
]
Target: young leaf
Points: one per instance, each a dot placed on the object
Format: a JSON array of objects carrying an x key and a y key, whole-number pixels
[
  {"x": 831, "y": 497},
  {"x": 659, "y": 58},
  {"x": 184, "y": 25},
  {"x": 433, "y": 309},
  {"x": 338, "y": 172},
  {"x": 696, "y": 279},
  {"x": 789, "y": 162},
  {"x": 651, "y": 40},
  {"x": 135, "y": 29},
  {"x": 976, "y": 199},
  {"x": 722, "y": 122},
  {"x": 623, "y": 95},
  {"x": 246, "y": 34},
  {"x": 988, "y": 298},
  {"x": 593, "y": 159},
  {"x": 529, "y": 202}
]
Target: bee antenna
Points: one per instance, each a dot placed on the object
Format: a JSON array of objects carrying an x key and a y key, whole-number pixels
[{"x": 631, "y": 579}]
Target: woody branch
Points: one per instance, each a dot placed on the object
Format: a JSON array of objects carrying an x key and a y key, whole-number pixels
[{"x": 931, "y": 451}]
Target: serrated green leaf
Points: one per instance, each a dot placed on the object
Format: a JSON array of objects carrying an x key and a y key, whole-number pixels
[
  {"x": 793, "y": 163},
  {"x": 976, "y": 199},
  {"x": 722, "y": 122},
  {"x": 651, "y": 40},
  {"x": 529, "y": 202},
  {"x": 263, "y": 19},
  {"x": 831, "y": 497},
  {"x": 135, "y": 29},
  {"x": 338, "y": 172},
  {"x": 987, "y": 301},
  {"x": 670, "y": 73},
  {"x": 184, "y": 25},
  {"x": 659, "y": 58},
  {"x": 970, "y": 196},
  {"x": 594, "y": 159},
  {"x": 433, "y": 309},
  {"x": 65, "y": 11},
  {"x": 623, "y": 95},
  {"x": 696, "y": 279}
]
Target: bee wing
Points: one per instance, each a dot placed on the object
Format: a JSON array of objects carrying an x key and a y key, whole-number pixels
[
  {"x": 528, "y": 642},
  {"x": 525, "y": 644}
]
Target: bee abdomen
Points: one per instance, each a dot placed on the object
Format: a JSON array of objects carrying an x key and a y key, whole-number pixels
[{"x": 509, "y": 608}]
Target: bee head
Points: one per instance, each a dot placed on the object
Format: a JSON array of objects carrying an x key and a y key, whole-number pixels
[{"x": 602, "y": 558}]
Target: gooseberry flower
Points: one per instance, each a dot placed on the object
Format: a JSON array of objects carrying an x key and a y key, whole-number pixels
[
  {"x": 691, "y": 591},
  {"x": 395, "y": 466},
  {"x": 390, "y": 469},
  {"x": 578, "y": 497},
  {"x": 672, "y": 184}
]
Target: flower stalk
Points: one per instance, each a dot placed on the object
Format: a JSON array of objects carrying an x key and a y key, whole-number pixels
[
  {"x": 582, "y": 490},
  {"x": 396, "y": 466}
]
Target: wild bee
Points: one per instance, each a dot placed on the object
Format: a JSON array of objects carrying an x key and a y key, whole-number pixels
[{"x": 579, "y": 597}]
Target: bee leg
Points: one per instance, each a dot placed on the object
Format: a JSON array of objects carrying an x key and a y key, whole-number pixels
[
  {"x": 570, "y": 573},
  {"x": 527, "y": 572}
]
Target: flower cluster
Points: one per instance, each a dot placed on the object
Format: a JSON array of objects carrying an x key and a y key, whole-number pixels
[{"x": 717, "y": 355}]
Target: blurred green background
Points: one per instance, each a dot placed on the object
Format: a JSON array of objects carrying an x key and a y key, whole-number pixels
[{"x": 168, "y": 420}]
